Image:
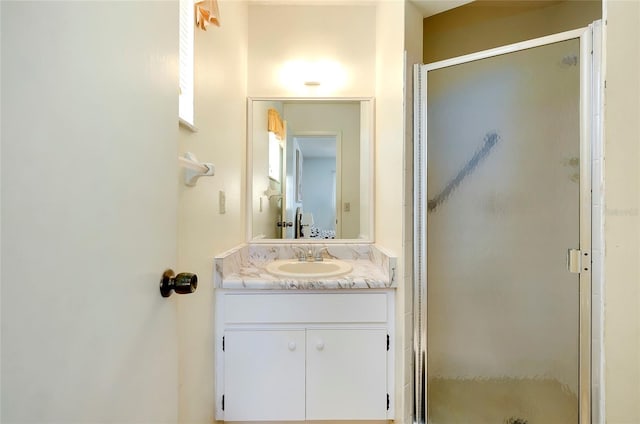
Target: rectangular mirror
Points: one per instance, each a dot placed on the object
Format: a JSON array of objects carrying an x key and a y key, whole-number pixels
[{"x": 310, "y": 169}]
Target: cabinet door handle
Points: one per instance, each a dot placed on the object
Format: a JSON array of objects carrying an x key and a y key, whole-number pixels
[
  {"x": 292, "y": 346},
  {"x": 320, "y": 345}
]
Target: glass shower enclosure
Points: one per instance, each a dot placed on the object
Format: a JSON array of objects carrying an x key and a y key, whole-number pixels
[{"x": 502, "y": 235}]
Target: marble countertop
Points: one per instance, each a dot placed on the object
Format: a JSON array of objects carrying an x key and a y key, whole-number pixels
[{"x": 245, "y": 268}]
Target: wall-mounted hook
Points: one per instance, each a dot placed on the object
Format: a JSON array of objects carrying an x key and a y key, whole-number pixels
[
  {"x": 183, "y": 283},
  {"x": 194, "y": 169}
]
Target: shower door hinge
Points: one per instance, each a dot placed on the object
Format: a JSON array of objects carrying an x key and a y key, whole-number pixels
[
  {"x": 223, "y": 343},
  {"x": 578, "y": 261},
  {"x": 223, "y": 402},
  {"x": 388, "y": 401}
]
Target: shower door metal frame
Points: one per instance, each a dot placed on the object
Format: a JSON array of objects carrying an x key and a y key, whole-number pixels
[{"x": 590, "y": 138}]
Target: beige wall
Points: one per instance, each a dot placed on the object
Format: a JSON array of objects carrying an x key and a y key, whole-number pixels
[
  {"x": 282, "y": 33},
  {"x": 220, "y": 115},
  {"x": 389, "y": 169},
  {"x": 487, "y": 24},
  {"x": 622, "y": 225}
]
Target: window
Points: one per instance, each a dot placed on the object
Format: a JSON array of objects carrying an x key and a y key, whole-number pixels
[
  {"x": 186, "y": 62},
  {"x": 275, "y": 157}
]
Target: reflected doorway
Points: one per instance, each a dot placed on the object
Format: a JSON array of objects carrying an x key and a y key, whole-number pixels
[{"x": 314, "y": 191}]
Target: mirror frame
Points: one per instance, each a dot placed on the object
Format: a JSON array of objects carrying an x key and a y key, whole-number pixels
[{"x": 366, "y": 103}]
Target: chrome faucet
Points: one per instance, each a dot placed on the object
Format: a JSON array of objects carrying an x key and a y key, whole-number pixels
[{"x": 309, "y": 254}]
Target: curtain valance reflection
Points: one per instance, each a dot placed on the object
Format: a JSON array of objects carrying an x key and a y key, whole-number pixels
[{"x": 275, "y": 124}]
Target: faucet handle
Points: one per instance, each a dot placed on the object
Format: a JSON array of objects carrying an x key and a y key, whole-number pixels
[
  {"x": 318, "y": 256},
  {"x": 299, "y": 252}
]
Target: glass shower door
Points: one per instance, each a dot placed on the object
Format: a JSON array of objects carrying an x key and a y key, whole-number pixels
[{"x": 503, "y": 207}]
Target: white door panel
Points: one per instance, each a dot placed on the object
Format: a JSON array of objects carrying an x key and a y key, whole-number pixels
[
  {"x": 346, "y": 374},
  {"x": 89, "y": 189},
  {"x": 264, "y": 375}
]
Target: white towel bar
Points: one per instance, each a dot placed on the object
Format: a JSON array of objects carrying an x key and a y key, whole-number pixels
[{"x": 194, "y": 169}]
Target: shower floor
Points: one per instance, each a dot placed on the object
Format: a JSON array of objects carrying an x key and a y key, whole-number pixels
[{"x": 501, "y": 401}]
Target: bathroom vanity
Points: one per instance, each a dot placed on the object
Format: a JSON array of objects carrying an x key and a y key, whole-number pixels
[{"x": 295, "y": 349}]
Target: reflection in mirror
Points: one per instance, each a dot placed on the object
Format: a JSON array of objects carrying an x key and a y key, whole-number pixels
[{"x": 310, "y": 169}]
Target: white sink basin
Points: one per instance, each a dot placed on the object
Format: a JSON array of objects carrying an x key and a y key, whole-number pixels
[{"x": 296, "y": 269}]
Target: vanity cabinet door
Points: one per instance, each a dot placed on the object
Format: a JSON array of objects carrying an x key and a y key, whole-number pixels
[
  {"x": 346, "y": 374},
  {"x": 264, "y": 375}
]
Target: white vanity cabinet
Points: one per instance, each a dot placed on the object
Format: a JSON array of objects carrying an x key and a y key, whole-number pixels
[{"x": 304, "y": 356}]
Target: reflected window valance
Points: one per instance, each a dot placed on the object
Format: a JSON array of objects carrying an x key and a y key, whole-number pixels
[
  {"x": 207, "y": 12},
  {"x": 275, "y": 124}
]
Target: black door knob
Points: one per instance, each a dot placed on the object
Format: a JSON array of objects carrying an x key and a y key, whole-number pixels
[{"x": 183, "y": 283}]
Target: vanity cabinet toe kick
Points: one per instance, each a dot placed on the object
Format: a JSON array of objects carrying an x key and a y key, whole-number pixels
[{"x": 284, "y": 356}]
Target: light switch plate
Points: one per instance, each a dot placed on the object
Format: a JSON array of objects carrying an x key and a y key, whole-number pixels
[{"x": 222, "y": 202}]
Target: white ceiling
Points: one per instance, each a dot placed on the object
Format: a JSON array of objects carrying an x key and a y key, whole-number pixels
[
  {"x": 427, "y": 7},
  {"x": 317, "y": 147},
  {"x": 433, "y": 7}
]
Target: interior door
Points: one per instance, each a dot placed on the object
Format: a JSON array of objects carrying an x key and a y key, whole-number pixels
[
  {"x": 507, "y": 193},
  {"x": 89, "y": 195}
]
